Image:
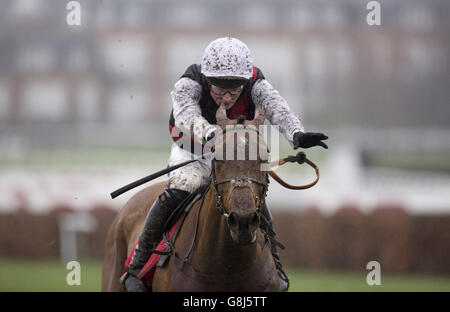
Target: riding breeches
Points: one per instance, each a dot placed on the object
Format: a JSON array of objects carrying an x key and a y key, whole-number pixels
[{"x": 190, "y": 177}]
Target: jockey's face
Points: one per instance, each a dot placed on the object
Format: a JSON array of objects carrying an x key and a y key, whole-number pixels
[{"x": 226, "y": 96}]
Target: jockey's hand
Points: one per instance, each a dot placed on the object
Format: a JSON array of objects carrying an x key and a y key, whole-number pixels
[
  {"x": 210, "y": 136},
  {"x": 309, "y": 139}
]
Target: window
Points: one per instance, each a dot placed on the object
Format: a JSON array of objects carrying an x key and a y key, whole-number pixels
[
  {"x": 106, "y": 16},
  {"x": 128, "y": 105},
  {"x": 333, "y": 17},
  {"x": 27, "y": 8},
  {"x": 315, "y": 55},
  {"x": 126, "y": 57},
  {"x": 133, "y": 16},
  {"x": 78, "y": 59},
  {"x": 88, "y": 101},
  {"x": 302, "y": 18},
  {"x": 423, "y": 59},
  {"x": 344, "y": 59},
  {"x": 39, "y": 57},
  {"x": 382, "y": 57},
  {"x": 191, "y": 16},
  {"x": 44, "y": 100},
  {"x": 257, "y": 17},
  {"x": 5, "y": 96},
  {"x": 416, "y": 18}
]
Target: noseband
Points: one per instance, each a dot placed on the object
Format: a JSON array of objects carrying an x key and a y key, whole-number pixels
[{"x": 236, "y": 182}]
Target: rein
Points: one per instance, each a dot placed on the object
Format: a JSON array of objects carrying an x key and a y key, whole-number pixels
[
  {"x": 300, "y": 158},
  {"x": 245, "y": 182}
]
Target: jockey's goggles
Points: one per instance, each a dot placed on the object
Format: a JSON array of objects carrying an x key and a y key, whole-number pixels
[
  {"x": 222, "y": 91},
  {"x": 226, "y": 83}
]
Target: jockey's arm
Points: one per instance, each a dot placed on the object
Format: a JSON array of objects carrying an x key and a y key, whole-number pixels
[
  {"x": 186, "y": 110},
  {"x": 276, "y": 109}
]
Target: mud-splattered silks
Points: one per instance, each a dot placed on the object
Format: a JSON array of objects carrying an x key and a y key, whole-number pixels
[{"x": 188, "y": 115}]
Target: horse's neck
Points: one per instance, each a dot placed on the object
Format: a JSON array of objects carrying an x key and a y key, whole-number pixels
[{"x": 214, "y": 244}]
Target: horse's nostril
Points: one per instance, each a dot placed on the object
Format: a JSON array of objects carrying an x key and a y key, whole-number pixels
[
  {"x": 243, "y": 223},
  {"x": 232, "y": 222},
  {"x": 254, "y": 222}
]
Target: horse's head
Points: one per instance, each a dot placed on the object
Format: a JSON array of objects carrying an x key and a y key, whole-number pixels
[{"x": 239, "y": 183}]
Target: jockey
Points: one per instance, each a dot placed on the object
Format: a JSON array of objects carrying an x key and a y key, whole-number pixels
[{"x": 226, "y": 76}]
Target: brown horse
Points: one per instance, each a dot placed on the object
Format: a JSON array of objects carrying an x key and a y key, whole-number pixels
[{"x": 220, "y": 246}]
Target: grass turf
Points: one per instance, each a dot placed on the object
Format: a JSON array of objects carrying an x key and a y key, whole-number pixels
[{"x": 50, "y": 276}]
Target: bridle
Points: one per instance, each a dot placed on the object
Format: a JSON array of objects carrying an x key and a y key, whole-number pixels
[{"x": 237, "y": 182}]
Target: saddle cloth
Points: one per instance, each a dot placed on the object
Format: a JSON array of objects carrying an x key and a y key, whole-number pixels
[
  {"x": 172, "y": 224},
  {"x": 148, "y": 270}
]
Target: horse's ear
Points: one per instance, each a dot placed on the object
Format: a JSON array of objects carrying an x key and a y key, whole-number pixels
[
  {"x": 258, "y": 119},
  {"x": 221, "y": 116},
  {"x": 259, "y": 116}
]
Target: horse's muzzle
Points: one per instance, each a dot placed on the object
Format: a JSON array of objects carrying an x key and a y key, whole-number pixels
[{"x": 243, "y": 227}]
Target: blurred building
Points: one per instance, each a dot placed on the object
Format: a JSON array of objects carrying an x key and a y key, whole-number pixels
[
  {"x": 120, "y": 64},
  {"x": 374, "y": 89}
]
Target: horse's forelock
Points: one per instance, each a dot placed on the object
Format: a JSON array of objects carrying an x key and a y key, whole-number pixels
[{"x": 242, "y": 138}]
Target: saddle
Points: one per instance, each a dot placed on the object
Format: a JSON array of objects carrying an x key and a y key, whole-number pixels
[{"x": 171, "y": 228}]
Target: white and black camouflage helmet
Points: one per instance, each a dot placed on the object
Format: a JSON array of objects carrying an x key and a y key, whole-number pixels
[{"x": 227, "y": 58}]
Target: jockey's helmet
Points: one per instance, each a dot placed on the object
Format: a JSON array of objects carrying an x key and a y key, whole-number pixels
[{"x": 227, "y": 62}]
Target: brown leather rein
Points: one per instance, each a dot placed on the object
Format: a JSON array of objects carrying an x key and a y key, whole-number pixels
[{"x": 300, "y": 158}]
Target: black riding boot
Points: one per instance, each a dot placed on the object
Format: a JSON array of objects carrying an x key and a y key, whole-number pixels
[
  {"x": 284, "y": 281},
  {"x": 151, "y": 235}
]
